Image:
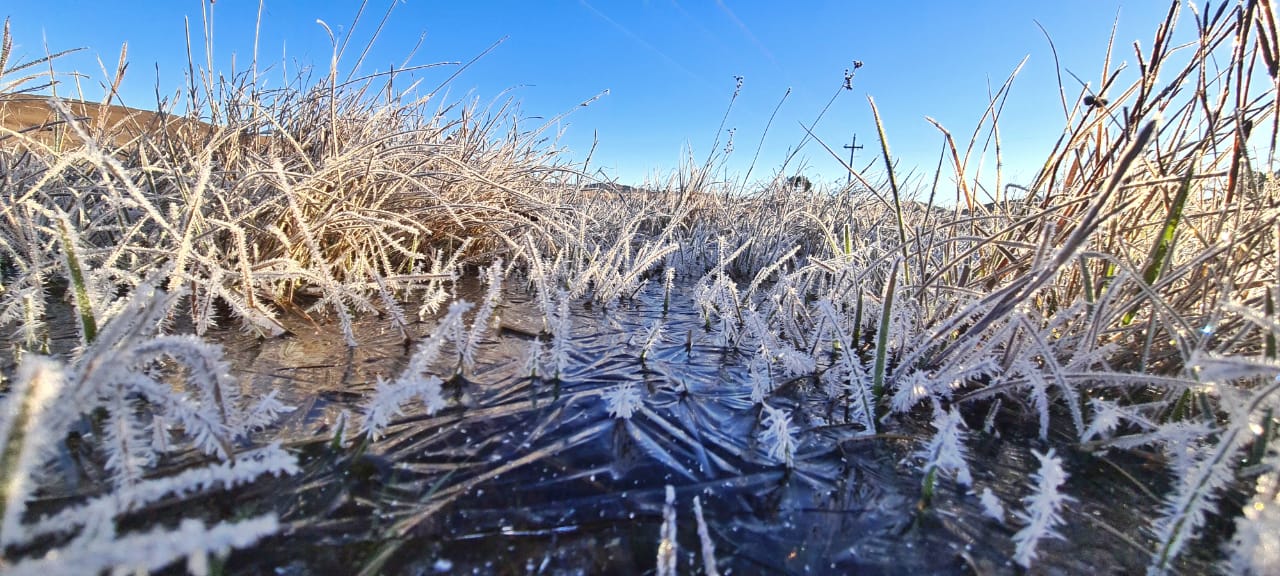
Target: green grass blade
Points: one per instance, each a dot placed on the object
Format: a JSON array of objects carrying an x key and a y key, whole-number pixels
[
  {"x": 1163, "y": 247},
  {"x": 882, "y": 335},
  {"x": 855, "y": 341},
  {"x": 84, "y": 306},
  {"x": 1270, "y": 308}
]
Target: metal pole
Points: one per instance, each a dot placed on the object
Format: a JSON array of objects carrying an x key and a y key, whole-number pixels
[{"x": 852, "y": 148}]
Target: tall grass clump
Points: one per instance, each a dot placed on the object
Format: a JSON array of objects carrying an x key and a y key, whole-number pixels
[
  {"x": 344, "y": 197},
  {"x": 1122, "y": 300}
]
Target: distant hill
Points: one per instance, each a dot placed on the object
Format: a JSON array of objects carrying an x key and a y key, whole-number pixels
[
  {"x": 615, "y": 187},
  {"x": 32, "y": 116}
]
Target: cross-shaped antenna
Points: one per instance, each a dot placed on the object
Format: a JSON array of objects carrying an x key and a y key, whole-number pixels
[{"x": 852, "y": 148}]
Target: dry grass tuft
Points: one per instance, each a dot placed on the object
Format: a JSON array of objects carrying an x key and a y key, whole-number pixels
[{"x": 1126, "y": 301}]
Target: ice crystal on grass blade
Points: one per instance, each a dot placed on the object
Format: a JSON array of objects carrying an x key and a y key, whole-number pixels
[
  {"x": 1255, "y": 548},
  {"x": 25, "y": 308},
  {"x": 945, "y": 451},
  {"x": 533, "y": 358},
  {"x": 1039, "y": 391},
  {"x": 794, "y": 362},
  {"x": 913, "y": 388},
  {"x": 119, "y": 369},
  {"x": 668, "y": 549},
  {"x": 148, "y": 551},
  {"x": 25, "y": 436},
  {"x": 853, "y": 378},
  {"x": 390, "y": 396},
  {"x": 1208, "y": 467},
  {"x": 561, "y": 329},
  {"x": 116, "y": 373},
  {"x": 414, "y": 382},
  {"x": 991, "y": 505},
  {"x": 127, "y": 373},
  {"x": 1106, "y": 417},
  {"x": 130, "y": 453},
  {"x": 480, "y": 324},
  {"x": 1042, "y": 508},
  {"x": 542, "y": 278},
  {"x": 98, "y": 513},
  {"x": 652, "y": 337},
  {"x": 434, "y": 293},
  {"x": 704, "y": 537},
  {"x": 778, "y": 435},
  {"x": 668, "y": 282},
  {"x": 761, "y": 380},
  {"x": 623, "y": 400}
]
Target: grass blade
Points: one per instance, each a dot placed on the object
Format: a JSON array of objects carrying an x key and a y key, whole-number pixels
[{"x": 1163, "y": 247}]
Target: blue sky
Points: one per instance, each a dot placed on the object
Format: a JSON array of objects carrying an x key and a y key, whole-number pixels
[{"x": 669, "y": 66}]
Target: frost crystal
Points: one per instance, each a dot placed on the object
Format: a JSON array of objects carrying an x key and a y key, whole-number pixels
[
  {"x": 668, "y": 548},
  {"x": 1255, "y": 548},
  {"x": 389, "y": 395},
  {"x": 1105, "y": 420},
  {"x": 778, "y": 435},
  {"x": 946, "y": 451},
  {"x": 991, "y": 506},
  {"x": 623, "y": 400},
  {"x": 704, "y": 537},
  {"x": 533, "y": 358},
  {"x": 1043, "y": 505},
  {"x": 761, "y": 381}
]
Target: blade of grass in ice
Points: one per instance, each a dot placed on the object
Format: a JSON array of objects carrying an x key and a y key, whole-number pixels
[
  {"x": 1086, "y": 281},
  {"x": 84, "y": 305},
  {"x": 1270, "y": 309},
  {"x": 856, "y": 341},
  {"x": 882, "y": 335}
]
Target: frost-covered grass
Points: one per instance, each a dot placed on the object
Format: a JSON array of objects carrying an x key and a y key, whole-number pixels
[{"x": 1125, "y": 301}]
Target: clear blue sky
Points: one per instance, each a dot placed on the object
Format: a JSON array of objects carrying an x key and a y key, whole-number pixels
[{"x": 669, "y": 66}]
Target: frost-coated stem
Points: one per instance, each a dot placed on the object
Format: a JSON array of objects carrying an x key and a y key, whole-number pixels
[
  {"x": 1042, "y": 508},
  {"x": 24, "y": 436},
  {"x": 79, "y": 286},
  {"x": 704, "y": 536},
  {"x": 668, "y": 549}
]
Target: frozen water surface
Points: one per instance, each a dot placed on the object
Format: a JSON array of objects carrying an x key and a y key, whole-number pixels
[{"x": 522, "y": 475}]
